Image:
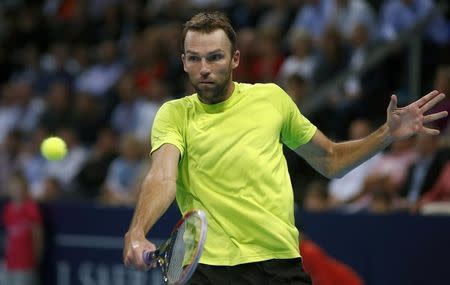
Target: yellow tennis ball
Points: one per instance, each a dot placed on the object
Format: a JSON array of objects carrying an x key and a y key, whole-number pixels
[{"x": 53, "y": 148}]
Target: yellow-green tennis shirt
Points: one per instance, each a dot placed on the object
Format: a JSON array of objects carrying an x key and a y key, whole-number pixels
[{"x": 232, "y": 167}]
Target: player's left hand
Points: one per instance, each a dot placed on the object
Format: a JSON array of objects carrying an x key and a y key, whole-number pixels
[{"x": 410, "y": 120}]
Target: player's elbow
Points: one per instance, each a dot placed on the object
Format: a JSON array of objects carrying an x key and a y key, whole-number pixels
[
  {"x": 335, "y": 170},
  {"x": 332, "y": 166},
  {"x": 331, "y": 173},
  {"x": 325, "y": 169},
  {"x": 336, "y": 174}
]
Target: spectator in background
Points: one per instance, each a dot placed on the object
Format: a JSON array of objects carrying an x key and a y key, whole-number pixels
[
  {"x": 350, "y": 13},
  {"x": 153, "y": 97},
  {"x": 80, "y": 59},
  {"x": 297, "y": 87},
  {"x": 317, "y": 198},
  {"x": 361, "y": 46},
  {"x": 56, "y": 66},
  {"x": 149, "y": 62},
  {"x": 302, "y": 60},
  {"x": 247, "y": 14},
  {"x": 345, "y": 191},
  {"x": 359, "y": 90},
  {"x": 10, "y": 151},
  {"x": 269, "y": 58},
  {"x": 87, "y": 118},
  {"x": 425, "y": 170},
  {"x": 124, "y": 115},
  {"x": 314, "y": 17},
  {"x": 333, "y": 56},
  {"x": 108, "y": 22},
  {"x": 442, "y": 83},
  {"x": 246, "y": 44},
  {"x": 132, "y": 21},
  {"x": 174, "y": 70},
  {"x": 8, "y": 115},
  {"x": 389, "y": 173},
  {"x": 395, "y": 161},
  {"x": 27, "y": 65},
  {"x": 58, "y": 110},
  {"x": 19, "y": 109},
  {"x": 440, "y": 192},
  {"x": 33, "y": 164},
  {"x": 276, "y": 14},
  {"x": 94, "y": 170},
  {"x": 101, "y": 77},
  {"x": 381, "y": 202},
  {"x": 397, "y": 16},
  {"x": 73, "y": 22},
  {"x": 24, "y": 234},
  {"x": 52, "y": 190},
  {"x": 124, "y": 173},
  {"x": 27, "y": 107}
]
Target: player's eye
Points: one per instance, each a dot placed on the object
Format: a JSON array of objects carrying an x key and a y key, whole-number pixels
[
  {"x": 215, "y": 57},
  {"x": 193, "y": 58}
]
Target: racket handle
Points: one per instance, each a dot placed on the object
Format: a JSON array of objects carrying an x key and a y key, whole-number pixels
[{"x": 150, "y": 257}]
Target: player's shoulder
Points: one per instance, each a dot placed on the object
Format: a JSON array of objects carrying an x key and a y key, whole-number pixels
[
  {"x": 264, "y": 89},
  {"x": 178, "y": 104},
  {"x": 250, "y": 86}
]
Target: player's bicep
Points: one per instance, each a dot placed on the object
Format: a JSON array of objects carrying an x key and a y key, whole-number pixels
[{"x": 164, "y": 163}]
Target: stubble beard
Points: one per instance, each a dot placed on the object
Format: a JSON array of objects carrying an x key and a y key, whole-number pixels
[{"x": 214, "y": 94}]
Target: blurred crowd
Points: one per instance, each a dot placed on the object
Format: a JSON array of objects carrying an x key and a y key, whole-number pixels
[{"x": 95, "y": 73}]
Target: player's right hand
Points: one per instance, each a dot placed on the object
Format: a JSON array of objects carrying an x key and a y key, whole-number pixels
[{"x": 135, "y": 245}]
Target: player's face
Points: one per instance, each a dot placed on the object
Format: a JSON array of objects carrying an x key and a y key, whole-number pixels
[{"x": 209, "y": 62}]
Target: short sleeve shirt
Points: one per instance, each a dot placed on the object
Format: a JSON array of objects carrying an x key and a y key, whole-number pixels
[{"x": 232, "y": 167}]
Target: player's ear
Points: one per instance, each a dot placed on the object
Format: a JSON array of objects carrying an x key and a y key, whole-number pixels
[
  {"x": 235, "y": 59},
  {"x": 183, "y": 59}
]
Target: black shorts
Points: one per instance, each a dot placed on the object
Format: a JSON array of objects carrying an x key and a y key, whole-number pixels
[{"x": 269, "y": 272}]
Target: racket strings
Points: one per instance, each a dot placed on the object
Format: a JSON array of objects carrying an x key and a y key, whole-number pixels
[
  {"x": 181, "y": 253},
  {"x": 175, "y": 265}
]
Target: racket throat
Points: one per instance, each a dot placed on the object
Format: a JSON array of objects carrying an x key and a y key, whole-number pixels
[{"x": 161, "y": 261}]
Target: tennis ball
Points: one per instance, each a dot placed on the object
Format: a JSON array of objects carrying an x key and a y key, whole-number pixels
[{"x": 53, "y": 148}]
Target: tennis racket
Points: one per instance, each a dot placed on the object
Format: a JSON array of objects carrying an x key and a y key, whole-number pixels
[{"x": 179, "y": 255}]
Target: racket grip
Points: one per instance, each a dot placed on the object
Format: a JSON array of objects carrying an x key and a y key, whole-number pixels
[{"x": 149, "y": 257}]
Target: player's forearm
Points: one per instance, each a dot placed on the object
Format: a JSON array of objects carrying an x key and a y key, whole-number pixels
[
  {"x": 157, "y": 193},
  {"x": 348, "y": 155}
]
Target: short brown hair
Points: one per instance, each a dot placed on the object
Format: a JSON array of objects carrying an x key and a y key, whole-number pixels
[{"x": 208, "y": 22}]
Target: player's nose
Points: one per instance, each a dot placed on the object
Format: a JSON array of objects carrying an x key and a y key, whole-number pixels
[{"x": 204, "y": 70}]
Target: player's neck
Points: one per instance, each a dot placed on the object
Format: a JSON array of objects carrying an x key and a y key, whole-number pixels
[
  {"x": 215, "y": 99},
  {"x": 229, "y": 89}
]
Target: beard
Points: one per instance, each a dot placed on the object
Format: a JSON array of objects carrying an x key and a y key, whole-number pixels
[{"x": 214, "y": 93}]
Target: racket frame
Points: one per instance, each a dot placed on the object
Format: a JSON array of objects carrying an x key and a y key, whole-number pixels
[{"x": 161, "y": 254}]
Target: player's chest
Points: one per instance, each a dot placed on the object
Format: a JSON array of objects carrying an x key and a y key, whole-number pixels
[
  {"x": 243, "y": 128},
  {"x": 232, "y": 136}
]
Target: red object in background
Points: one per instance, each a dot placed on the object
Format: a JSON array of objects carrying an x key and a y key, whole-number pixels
[
  {"x": 265, "y": 69},
  {"x": 145, "y": 76},
  {"x": 19, "y": 220},
  {"x": 67, "y": 9},
  {"x": 325, "y": 270},
  {"x": 440, "y": 191}
]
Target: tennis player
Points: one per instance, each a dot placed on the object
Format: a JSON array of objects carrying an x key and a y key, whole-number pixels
[{"x": 220, "y": 150}]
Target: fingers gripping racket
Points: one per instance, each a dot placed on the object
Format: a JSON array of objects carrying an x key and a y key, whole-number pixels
[{"x": 179, "y": 255}]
